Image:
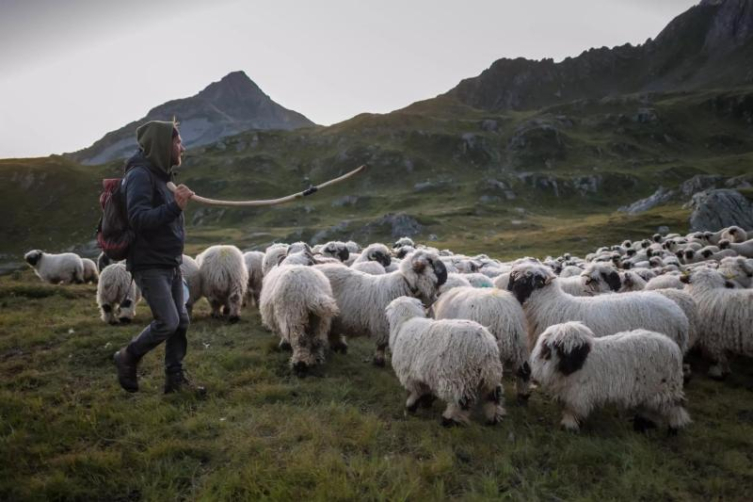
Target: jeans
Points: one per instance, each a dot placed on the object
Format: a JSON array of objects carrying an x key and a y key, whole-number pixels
[{"x": 162, "y": 288}]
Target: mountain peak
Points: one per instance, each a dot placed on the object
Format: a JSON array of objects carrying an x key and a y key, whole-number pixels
[{"x": 234, "y": 85}]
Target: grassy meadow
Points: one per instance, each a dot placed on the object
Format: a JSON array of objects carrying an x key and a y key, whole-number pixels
[{"x": 68, "y": 432}]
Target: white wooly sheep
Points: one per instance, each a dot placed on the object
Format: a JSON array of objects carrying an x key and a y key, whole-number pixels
[
  {"x": 335, "y": 249},
  {"x": 404, "y": 242},
  {"x": 404, "y": 251},
  {"x": 454, "y": 360},
  {"x": 639, "y": 370},
  {"x": 66, "y": 268},
  {"x": 353, "y": 247},
  {"x": 738, "y": 269},
  {"x": 454, "y": 280},
  {"x": 545, "y": 304},
  {"x": 743, "y": 248},
  {"x": 272, "y": 256},
  {"x": 117, "y": 295},
  {"x": 501, "y": 281},
  {"x": 570, "y": 271},
  {"x": 735, "y": 234},
  {"x": 709, "y": 254},
  {"x": 297, "y": 304},
  {"x": 224, "y": 280},
  {"x": 725, "y": 318},
  {"x": 362, "y": 298},
  {"x": 597, "y": 278},
  {"x": 254, "y": 261},
  {"x": 664, "y": 282},
  {"x": 631, "y": 281},
  {"x": 189, "y": 269},
  {"x": 479, "y": 280},
  {"x": 502, "y": 315},
  {"x": 91, "y": 273},
  {"x": 375, "y": 252},
  {"x": 369, "y": 267}
]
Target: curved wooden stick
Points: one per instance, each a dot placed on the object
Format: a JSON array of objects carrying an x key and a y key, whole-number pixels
[{"x": 270, "y": 202}]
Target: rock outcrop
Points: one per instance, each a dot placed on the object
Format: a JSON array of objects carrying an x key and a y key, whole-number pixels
[{"x": 715, "y": 209}]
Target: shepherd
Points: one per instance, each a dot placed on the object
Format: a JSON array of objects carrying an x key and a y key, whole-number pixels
[{"x": 155, "y": 213}]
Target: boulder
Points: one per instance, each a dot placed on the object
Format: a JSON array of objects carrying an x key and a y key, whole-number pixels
[
  {"x": 716, "y": 209},
  {"x": 661, "y": 196}
]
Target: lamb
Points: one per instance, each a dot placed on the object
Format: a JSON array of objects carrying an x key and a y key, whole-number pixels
[
  {"x": 91, "y": 274},
  {"x": 224, "y": 280},
  {"x": 254, "y": 261},
  {"x": 296, "y": 303},
  {"x": 189, "y": 269},
  {"x": 743, "y": 248},
  {"x": 545, "y": 304},
  {"x": 637, "y": 369},
  {"x": 369, "y": 267},
  {"x": 66, "y": 268},
  {"x": 456, "y": 360},
  {"x": 502, "y": 315},
  {"x": 362, "y": 298},
  {"x": 725, "y": 318},
  {"x": 117, "y": 295}
]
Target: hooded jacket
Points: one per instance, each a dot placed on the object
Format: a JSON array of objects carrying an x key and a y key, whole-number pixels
[{"x": 153, "y": 214}]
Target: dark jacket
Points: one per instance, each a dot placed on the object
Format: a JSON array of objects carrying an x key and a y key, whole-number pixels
[{"x": 155, "y": 217}]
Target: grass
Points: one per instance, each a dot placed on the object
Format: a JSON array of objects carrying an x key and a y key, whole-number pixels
[{"x": 67, "y": 432}]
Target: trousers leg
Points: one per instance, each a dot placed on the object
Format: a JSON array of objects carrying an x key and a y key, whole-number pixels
[
  {"x": 157, "y": 289},
  {"x": 177, "y": 344}
]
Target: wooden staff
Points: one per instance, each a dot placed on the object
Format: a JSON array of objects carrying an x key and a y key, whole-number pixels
[{"x": 270, "y": 202}]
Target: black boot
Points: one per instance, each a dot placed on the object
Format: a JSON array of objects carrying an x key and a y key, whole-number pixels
[
  {"x": 178, "y": 382},
  {"x": 126, "y": 365}
]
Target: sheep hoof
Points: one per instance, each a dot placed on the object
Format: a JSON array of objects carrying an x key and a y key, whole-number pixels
[
  {"x": 448, "y": 422},
  {"x": 641, "y": 424},
  {"x": 233, "y": 319},
  {"x": 124, "y": 320},
  {"x": 523, "y": 399},
  {"x": 300, "y": 369}
]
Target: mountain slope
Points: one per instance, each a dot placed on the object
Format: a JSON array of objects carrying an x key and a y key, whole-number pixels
[
  {"x": 710, "y": 45},
  {"x": 230, "y": 106}
]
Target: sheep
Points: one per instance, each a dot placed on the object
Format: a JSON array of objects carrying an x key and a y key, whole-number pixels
[
  {"x": 664, "y": 282},
  {"x": 375, "y": 252},
  {"x": 336, "y": 249},
  {"x": 224, "y": 280},
  {"x": 596, "y": 278},
  {"x": 189, "y": 269},
  {"x": 254, "y": 261},
  {"x": 725, "y": 318},
  {"x": 545, "y": 304},
  {"x": 735, "y": 234},
  {"x": 708, "y": 253},
  {"x": 91, "y": 274},
  {"x": 117, "y": 295},
  {"x": 501, "y": 281},
  {"x": 369, "y": 267},
  {"x": 273, "y": 255},
  {"x": 631, "y": 281},
  {"x": 404, "y": 241},
  {"x": 739, "y": 270},
  {"x": 296, "y": 303},
  {"x": 743, "y": 248},
  {"x": 455, "y": 360},
  {"x": 102, "y": 261},
  {"x": 502, "y": 315},
  {"x": 479, "y": 280},
  {"x": 570, "y": 271},
  {"x": 66, "y": 268},
  {"x": 454, "y": 280},
  {"x": 362, "y": 298},
  {"x": 637, "y": 369}
]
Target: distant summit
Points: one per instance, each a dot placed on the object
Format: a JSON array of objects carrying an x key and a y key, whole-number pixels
[
  {"x": 233, "y": 105},
  {"x": 710, "y": 45}
]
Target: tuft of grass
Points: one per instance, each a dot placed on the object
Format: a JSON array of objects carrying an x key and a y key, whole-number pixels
[{"x": 67, "y": 431}]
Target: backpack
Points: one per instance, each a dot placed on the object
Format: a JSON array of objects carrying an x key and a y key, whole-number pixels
[{"x": 114, "y": 232}]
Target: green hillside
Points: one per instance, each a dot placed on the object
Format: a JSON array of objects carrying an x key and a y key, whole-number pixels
[{"x": 505, "y": 183}]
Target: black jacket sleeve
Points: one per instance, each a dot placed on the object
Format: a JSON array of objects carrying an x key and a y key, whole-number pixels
[{"x": 141, "y": 214}]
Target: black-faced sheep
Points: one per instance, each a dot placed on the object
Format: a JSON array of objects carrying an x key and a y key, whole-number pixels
[{"x": 66, "y": 268}]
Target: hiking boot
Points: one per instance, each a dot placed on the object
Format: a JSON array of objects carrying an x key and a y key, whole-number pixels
[
  {"x": 179, "y": 382},
  {"x": 126, "y": 365}
]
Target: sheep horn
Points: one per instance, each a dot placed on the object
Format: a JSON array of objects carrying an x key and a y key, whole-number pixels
[{"x": 270, "y": 202}]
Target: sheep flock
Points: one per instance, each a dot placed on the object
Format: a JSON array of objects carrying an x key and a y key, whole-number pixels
[{"x": 612, "y": 327}]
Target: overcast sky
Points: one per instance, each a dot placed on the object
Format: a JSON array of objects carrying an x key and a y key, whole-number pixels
[{"x": 72, "y": 70}]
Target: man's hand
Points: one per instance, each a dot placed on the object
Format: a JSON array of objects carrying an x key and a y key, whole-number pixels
[{"x": 182, "y": 194}]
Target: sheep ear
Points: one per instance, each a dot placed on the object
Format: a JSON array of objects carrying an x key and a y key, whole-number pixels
[
  {"x": 572, "y": 361},
  {"x": 419, "y": 265}
]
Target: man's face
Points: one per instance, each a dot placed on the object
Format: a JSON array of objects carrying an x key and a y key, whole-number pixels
[{"x": 177, "y": 152}]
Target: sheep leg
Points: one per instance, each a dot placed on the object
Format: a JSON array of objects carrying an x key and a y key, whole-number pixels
[
  {"x": 234, "y": 307},
  {"x": 127, "y": 311},
  {"x": 215, "y": 304},
  {"x": 379, "y": 356},
  {"x": 316, "y": 334},
  {"x": 493, "y": 404},
  {"x": 456, "y": 414},
  {"x": 338, "y": 342},
  {"x": 571, "y": 419},
  {"x": 523, "y": 382},
  {"x": 418, "y": 395},
  {"x": 720, "y": 369},
  {"x": 107, "y": 315}
]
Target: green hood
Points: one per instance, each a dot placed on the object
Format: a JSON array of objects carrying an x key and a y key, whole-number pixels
[{"x": 156, "y": 141}]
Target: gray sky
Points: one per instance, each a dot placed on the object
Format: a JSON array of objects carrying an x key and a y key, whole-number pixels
[{"x": 72, "y": 70}]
